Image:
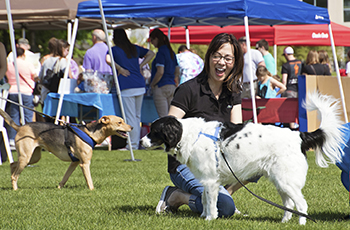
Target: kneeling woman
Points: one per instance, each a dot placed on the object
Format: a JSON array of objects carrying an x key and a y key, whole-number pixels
[{"x": 215, "y": 94}]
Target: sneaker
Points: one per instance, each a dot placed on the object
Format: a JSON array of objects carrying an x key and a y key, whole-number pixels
[
  {"x": 237, "y": 212},
  {"x": 12, "y": 144},
  {"x": 123, "y": 149},
  {"x": 162, "y": 204}
]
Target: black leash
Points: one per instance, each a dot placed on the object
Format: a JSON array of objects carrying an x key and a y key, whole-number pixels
[
  {"x": 263, "y": 199},
  {"x": 26, "y": 107}
]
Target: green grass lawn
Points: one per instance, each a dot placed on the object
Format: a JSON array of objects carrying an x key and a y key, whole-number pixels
[{"x": 126, "y": 194}]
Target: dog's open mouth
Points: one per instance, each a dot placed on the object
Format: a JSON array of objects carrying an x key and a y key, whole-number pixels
[{"x": 122, "y": 134}]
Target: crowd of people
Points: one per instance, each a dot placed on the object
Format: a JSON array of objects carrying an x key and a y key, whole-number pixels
[{"x": 168, "y": 71}]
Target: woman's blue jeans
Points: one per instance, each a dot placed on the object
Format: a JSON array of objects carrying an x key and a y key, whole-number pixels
[
  {"x": 185, "y": 180},
  {"x": 13, "y": 111}
]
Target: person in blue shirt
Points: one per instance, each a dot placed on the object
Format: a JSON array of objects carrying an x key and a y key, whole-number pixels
[
  {"x": 165, "y": 72},
  {"x": 263, "y": 46},
  {"x": 131, "y": 82}
]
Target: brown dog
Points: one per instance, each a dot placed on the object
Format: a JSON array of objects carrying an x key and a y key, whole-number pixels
[{"x": 32, "y": 137}]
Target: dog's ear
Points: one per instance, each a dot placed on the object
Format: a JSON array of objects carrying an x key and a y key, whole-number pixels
[
  {"x": 104, "y": 120},
  {"x": 172, "y": 132}
]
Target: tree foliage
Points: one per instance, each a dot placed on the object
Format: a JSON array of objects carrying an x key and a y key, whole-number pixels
[{"x": 39, "y": 40}]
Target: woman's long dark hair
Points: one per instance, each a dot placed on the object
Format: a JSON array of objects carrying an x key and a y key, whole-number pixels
[
  {"x": 162, "y": 40},
  {"x": 121, "y": 40},
  {"x": 52, "y": 45},
  {"x": 234, "y": 79},
  {"x": 61, "y": 44}
]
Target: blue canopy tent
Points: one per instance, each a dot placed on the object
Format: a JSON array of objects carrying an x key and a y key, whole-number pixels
[
  {"x": 204, "y": 12},
  {"x": 172, "y": 13}
]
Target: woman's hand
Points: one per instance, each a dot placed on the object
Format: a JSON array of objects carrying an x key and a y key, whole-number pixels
[
  {"x": 124, "y": 72},
  {"x": 157, "y": 76},
  {"x": 120, "y": 70}
]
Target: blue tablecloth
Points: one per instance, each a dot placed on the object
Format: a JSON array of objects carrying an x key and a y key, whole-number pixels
[{"x": 106, "y": 104}]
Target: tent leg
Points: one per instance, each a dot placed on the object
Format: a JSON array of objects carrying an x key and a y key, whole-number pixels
[
  {"x": 338, "y": 73},
  {"x": 187, "y": 37},
  {"x": 65, "y": 76},
  {"x": 275, "y": 55},
  {"x": 250, "y": 70},
  {"x": 115, "y": 76},
  {"x": 13, "y": 47}
]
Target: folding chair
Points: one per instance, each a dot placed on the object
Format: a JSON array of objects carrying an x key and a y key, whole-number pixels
[{"x": 4, "y": 94}]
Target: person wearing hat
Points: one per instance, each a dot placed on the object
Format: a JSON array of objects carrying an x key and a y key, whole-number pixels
[
  {"x": 290, "y": 71},
  {"x": 29, "y": 55},
  {"x": 22, "y": 43},
  {"x": 256, "y": 60}
]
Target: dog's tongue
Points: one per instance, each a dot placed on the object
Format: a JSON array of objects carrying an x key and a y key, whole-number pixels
[{"x": 124, "y": 134}]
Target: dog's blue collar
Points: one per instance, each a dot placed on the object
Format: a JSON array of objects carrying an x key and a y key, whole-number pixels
[
  {"x": 215, "y": 138},
  {"x": 83, "y": 136}
]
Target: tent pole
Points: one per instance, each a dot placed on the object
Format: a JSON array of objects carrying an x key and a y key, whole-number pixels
[
  {"x": 169, "y": 33},
  {"x": 187, "y": 37},
  {"x": 13, "y": 47},
  {"x": 338, "y": 73},
  {"x": 65, "y": 76},
  {"x": 69, "y": 31},
  {"x": 250, "y": 70},
  {"x": 275, "y": 55},
  {"x": 115, "y": 74}
]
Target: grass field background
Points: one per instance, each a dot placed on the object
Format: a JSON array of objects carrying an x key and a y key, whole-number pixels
[{"x": 126, "y": 194}]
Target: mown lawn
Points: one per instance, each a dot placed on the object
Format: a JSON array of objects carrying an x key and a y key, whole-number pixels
[{"x": 126, "y": 194}]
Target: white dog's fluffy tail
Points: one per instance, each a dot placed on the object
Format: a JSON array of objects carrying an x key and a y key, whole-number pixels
[{"x": 327, "y": 140}]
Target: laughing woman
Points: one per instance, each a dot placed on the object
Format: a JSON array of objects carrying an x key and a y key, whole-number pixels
[
  {"x": 165, "y": 71},
  {"x": 215, "y": 94}
]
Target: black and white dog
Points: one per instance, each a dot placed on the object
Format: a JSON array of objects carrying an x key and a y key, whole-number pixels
[{"x": 251, "y": 150}]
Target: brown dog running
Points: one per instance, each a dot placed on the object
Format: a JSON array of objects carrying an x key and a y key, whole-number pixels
[{"x": 34, "y": 136}]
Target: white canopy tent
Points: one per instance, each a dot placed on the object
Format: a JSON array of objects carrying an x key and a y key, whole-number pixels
[{"x": 39, "y": 15}]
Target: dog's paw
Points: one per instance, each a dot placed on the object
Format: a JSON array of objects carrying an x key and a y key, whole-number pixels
[
  {"x": 211, "y": 217},
  {"x": 287, "y": 216},
  {"x": 302, "y": 220}
]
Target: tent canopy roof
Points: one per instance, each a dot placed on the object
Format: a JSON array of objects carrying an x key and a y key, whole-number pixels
[
  {"x": 298, "y": 35},
  {"x": 43, "y": 15},
  {"x": 221, "y": 13}
]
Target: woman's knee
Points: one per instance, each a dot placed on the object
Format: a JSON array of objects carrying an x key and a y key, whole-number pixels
[{"x": 226, "y": 206}]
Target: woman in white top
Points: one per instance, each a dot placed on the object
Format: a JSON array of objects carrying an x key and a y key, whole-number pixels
[{"x": 58, "y": 56}]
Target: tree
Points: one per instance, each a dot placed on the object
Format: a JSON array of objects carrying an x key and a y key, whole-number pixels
[{"x": 39, "y": 40}]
